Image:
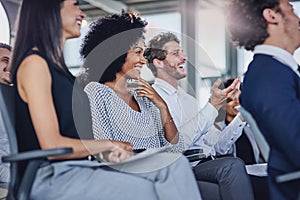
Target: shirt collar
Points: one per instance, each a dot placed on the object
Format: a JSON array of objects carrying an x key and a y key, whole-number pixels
[
  {"x": 168, "y": 88},
  {"x": 279, "y": 54}
]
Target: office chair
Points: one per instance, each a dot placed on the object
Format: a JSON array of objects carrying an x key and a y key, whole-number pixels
[
  {"x": 20, "y": 187},
  {"x": 264, "y": 147},
  {"x": 259, "y": 138}
]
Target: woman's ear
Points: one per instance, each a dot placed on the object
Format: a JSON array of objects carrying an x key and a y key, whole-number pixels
[{"x": 270, "y": 16}]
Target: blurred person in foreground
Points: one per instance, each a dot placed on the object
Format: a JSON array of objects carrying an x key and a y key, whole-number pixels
[{"x": 271, "y": 87}]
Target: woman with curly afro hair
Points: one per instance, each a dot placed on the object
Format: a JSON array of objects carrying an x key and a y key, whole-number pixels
[{"x": 113, "y": 53}]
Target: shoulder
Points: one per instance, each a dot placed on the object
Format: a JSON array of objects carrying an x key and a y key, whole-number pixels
[
  {"x": 93, "y": 86},
  {"x": 95, "y": 89},
  {"x": 33, "y": 67},
  {"x": 33, "y": 61}
]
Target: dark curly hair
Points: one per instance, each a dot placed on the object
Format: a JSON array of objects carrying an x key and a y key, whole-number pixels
[
  {"x": 245, "y": 21},
  {"x": 106, "y": 44},
  {"x": 155, "y": 49},
  {"x": 5, "y": 46}
]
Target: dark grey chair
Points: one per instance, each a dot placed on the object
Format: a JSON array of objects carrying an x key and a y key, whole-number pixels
[
  {"x": 20, "y": 187},
  {"x": 264, "y": 147},
  {"x": 259, "y": 138}
]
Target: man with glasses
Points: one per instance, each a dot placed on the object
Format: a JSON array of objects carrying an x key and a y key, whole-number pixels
[{"x": 166, "y": 60}]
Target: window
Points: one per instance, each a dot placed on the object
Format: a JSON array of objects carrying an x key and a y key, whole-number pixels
[
  {"x": 244, "y": 57},
  {"x": 4, "y": 24}
]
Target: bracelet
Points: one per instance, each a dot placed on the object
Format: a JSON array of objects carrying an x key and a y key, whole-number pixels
[{"x": 170, "y": 121}]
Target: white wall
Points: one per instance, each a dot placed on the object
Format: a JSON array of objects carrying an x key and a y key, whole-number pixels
[{"x": 5, "y": 30}]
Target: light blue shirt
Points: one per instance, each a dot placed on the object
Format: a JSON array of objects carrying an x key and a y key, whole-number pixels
[
  {"x": 196, "y": 123},
  {"x": 4, "y": 150}
]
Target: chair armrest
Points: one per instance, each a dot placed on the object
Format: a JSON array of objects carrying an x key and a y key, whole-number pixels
[
  {"x": 192, "y": 151},
  {"x": 196, "y": 157},
  {"x": 36, "y": 154},
  {"x": 288, "y": 177},
  {"x": 194, "y": 154}
]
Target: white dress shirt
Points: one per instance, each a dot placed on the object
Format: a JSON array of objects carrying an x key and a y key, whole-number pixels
[{"x": 195, "y": 123}]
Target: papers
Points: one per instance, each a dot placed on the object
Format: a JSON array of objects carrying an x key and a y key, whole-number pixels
[
  {"x": 147, "y": 161},
  {"x": 257, "y": 169},
  {"x": 144, "y": 154}
]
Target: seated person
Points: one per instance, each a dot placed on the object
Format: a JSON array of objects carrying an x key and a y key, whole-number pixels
[
  {"x": 44, "y": 89},
  {"x": 5, "y": 58},
  {"x": 246, "y": 148},
  {"x": 141, "y": 116},
  {"x": 166, "y": 61}
]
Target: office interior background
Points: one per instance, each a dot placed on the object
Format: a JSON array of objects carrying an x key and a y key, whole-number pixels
[{"x": 200, "y": 24}]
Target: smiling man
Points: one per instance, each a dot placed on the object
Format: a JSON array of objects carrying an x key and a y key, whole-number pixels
[
  {"x": 5, "y": 58},
  {"x": 166, "y": 61}
]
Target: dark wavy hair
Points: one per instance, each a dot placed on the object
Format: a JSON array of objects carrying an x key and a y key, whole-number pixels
[
  {"x": 155, "y": 49},
  {"x": 39, "y": 25},
  {"x": 245, "y": 21},
  {"x": 106, "y": 44}
]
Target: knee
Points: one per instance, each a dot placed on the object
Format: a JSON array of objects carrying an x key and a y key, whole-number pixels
[{"x": 235, "y": 164}]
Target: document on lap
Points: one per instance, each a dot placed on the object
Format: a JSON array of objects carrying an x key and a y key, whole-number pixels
[{"x": 145, "y": 161}]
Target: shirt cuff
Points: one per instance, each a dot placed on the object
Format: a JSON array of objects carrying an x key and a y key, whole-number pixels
[{"x": 209, "y": 108}]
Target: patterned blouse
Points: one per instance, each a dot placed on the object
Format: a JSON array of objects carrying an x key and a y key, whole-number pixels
[{"x": 114, "y": 119}]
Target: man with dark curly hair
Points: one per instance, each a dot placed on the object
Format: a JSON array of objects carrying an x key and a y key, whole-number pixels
[
  {"x": 5, "y": 58},
  {"x": 271, "y": 88}
]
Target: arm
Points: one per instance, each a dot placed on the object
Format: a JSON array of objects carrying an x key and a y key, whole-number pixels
[
  {"x": 101, "y": 127},
  {"x": 195, "y": 121},
  {"x": 34, "y": 87},
  {"x": 171, "y": 133},
  {"x": 229, "y": 135},
  {"x": 219, "y": 96},
  {"x": 5, "y": 77}
]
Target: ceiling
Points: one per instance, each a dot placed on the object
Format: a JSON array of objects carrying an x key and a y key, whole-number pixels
[{"x": 96, "y": 8}]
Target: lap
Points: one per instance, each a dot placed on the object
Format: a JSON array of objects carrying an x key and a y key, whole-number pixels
[
  {"x": 85, "y": 179},
  {"x": 63, "y": 181},
  {"x": 213, "y": 169}
]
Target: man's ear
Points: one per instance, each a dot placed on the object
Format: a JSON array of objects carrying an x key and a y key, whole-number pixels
[
  {"x": 270, "y": 16},
  {"x": 158, "y": 63}
]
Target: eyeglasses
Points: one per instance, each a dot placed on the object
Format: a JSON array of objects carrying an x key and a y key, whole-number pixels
[{"x": 176, "y": 53}]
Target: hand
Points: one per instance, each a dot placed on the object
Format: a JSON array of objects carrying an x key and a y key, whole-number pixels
[
  {"x": 146, "y": 90},
  {"x": 5, "y": 77},
  {"x": 118, "y": 151},
  {"x": 219, "y": 96}
]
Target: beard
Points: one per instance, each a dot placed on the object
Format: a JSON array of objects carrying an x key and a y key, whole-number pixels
[{"x": 171, "y": 70}]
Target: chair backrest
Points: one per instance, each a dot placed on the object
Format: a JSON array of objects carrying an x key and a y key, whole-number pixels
[
  {"x": 7, "y": 110},
  {"x": 259, "y": 138}
]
